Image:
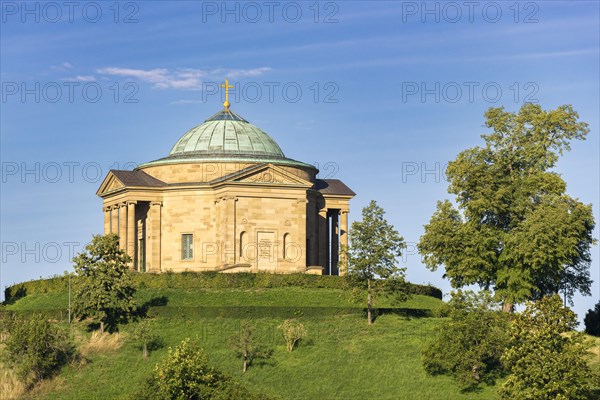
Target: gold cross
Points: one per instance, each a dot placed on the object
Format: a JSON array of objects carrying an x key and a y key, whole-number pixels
[{"x": 227, "y": 86}]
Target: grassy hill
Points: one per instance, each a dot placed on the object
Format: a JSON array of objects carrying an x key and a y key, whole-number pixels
[{"x": 342, "y": 357}]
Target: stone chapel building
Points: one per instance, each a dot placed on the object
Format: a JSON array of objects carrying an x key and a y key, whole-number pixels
[{"x": 227, "y": 199}]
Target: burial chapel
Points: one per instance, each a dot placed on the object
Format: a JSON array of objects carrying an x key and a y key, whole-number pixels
[{"x": 226, "y": 198}]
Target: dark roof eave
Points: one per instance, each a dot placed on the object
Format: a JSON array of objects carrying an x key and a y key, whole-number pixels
[{"x": 333, "y": 187}]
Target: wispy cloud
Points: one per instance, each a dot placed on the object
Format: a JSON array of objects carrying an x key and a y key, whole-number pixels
[
  {"x": 183, "y": 78},
  {"x": 183, "y": 102},
  {"x": 64, "y": 66},
  {"x": 434, "y": 60},
  {"x": 81, "y": 78}
]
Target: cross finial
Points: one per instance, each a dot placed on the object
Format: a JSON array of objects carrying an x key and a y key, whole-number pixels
[{"x": 227, "y": 86}]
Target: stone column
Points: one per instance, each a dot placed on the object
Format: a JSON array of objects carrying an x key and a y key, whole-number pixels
[
  {"x": 335, "y": 242},
  {"x": 212, "y": 259},
  {"x": 301, "y": 235},
  {"x": 106, "y": 220},
  {"x": 114, "y": 224},
  {"x": 131, "y": 231},
  {"x": 154, "y": 236},
  {"x": 323, "y": 240},
  {"x": 229, "y": 251},
  {"x": 123, "y": 226},
  {"x": 344, "y": 242}
]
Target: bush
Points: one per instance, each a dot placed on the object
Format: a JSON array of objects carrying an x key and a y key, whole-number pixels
[
  {"x": 546, "y": 358},
  {"x": 37, "y": 349},
  {"x": 293, "y": 332},
  {"x": 186, "y": 375},
  {"x": 425, "y": 290},
  {"x": 592, "y": 321},
  {"x": 469, "y": 345}
]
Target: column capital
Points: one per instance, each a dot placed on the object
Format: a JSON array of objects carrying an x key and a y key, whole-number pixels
[
  {"x": 107, "y": 208},
  {"x": 156, "y": 203},
  {"x": 131, "y": 202},
  {"x": 344, "y": 211}
]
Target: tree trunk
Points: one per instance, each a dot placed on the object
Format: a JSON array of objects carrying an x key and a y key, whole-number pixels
[
  {"x": 145, "y": 350},
  {"x": 245, "y": 361},
  {"x": 507, "y": 307},
  {"x": 101, "y": 327},
  {"x": 369, "y": 319}
]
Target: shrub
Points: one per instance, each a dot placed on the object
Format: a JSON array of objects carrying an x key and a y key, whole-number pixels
[
  {"x": 425, "y": 290},
  {"x": 293, "y": 331},
  {"x": 546, "y": 358},
  {"x": 469, "y": 345},
  {"x": 592, "y": 321},
  {"x": 186, "y": 375},
  {"x": 37, "y": 349}
]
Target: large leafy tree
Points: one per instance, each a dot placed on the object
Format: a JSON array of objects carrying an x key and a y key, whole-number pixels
[
  {"x": 104, "y": 286},
  {"x": 374, "y": 247},
  {"x": 546, "y": 359},
  {"x": 515, "y": 230},
  {"x": 469, "y": 344}
]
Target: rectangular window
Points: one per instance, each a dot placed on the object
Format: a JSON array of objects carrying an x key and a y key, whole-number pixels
[{"x": 187, "y": 246}]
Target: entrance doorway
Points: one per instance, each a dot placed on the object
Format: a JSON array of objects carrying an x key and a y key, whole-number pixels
[{"x": 266, "y": 259}]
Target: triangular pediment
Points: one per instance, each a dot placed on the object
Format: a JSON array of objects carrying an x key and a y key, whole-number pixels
[
  {"x": 110, "y": 184},
  {"x": 263, "y": 174}
]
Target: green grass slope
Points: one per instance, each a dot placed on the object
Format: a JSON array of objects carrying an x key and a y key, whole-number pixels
[{"x": 342, "y": 357}]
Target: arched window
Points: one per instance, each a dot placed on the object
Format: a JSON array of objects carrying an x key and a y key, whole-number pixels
[
  {"x": 243, "y": 243},
  {"x": 286, "y": 242}
]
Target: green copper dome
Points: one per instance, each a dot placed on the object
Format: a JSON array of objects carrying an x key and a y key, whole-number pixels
[
  {"x": 226, "y": 133},
  {"x": 226, "y": 137}
]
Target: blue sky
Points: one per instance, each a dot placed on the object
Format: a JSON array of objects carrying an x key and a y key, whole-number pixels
[{"x": 379, "y": 94}]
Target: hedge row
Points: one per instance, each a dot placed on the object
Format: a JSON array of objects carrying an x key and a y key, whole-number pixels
[
  {"x": 208, "y": 280},
  {"x": 241, "y": 312}
]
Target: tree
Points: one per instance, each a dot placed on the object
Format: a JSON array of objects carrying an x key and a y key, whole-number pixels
[
  {"x": 145, "y": 338},
  {"x": 592, "y": 321},
  {"x": 37, "y": 348},
  {"x": 293, "y": 332},
  {"x": 374, "y": 246},
  {"x": 470, "y": 343},
  {"x": 244, "y": 345},
  {"x": 104, "y": 286},
  {"x": 546, "y": 358},
  {"x": 515, "y": 230}
]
